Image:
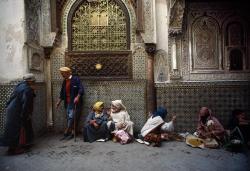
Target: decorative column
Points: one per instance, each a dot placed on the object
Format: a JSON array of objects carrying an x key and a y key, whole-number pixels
[
  {"x": 149, "y": 38},
  {"x": 151, "y": 97},
  {"x": 47, "y": 52},
  {"x": 175, "y": 53},
  {"x": 177, "y": 8},
  {"x": 47, "y": 40}
]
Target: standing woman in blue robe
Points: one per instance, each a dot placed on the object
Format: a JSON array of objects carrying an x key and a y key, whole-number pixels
[{"x": 18, "y": 128}]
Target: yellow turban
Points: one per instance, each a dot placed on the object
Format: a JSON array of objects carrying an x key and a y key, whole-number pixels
[
  {"x": 97, "y": 106},
  {"x": 65, "y": 69}
]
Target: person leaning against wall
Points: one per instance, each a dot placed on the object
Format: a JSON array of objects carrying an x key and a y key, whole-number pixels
[
  {"x": 71, "y": 93},
  {"x": 18, "y": 133}
]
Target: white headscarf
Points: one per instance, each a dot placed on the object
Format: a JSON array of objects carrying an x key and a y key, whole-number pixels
[
  {"x": 29, "y": 77},
  {"x": 118, "y": 104}
]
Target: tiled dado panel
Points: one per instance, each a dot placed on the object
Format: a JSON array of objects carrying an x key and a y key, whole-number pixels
[
  {"x": 185, "y": 100},
  {"x": 130, "y": 92},
  {"x": 39, "y": 114},
  {"x": 5, "y": 91}
]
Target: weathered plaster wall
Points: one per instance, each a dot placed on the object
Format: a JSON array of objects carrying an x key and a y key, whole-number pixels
[
  {"x": 21, "y": 53},
  {"x": 12, "y": 63}
]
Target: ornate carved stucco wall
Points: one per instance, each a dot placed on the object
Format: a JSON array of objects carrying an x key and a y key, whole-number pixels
[
  {"x": 207, "y": 61},
  {"x": 132, "y": 92},
  {"x": 199, "y": 73}
]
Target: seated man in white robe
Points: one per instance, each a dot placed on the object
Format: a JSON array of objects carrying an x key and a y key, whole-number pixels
[{"x": 120, "y": 117}]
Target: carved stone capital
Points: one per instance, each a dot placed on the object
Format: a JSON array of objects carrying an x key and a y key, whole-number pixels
[
  {"x": 47, "y": 52},
  {"x": 173, "y": 32},
  {"x": 150, "y": 48}
]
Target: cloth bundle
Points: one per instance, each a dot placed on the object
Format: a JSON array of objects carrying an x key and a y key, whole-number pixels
[
  {"x": 123, "y": 137},
  {"x": 194, "y": 141}
]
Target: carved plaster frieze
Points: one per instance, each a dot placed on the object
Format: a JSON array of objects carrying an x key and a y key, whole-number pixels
[
  {"x": 149, "y": 35},
  {"x": 174, "y": 32},
  {"x": 210, "y": 60},
  {"x": 160, "y": 66},
  {"x": 220, "y": 11},
  {"x": 176, "y": 17}
]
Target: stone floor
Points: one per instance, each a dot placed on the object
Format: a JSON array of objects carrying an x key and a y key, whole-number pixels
[{"x": 51, "y": 154}]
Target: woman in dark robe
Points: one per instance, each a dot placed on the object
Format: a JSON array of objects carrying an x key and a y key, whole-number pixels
[
  {"x": 240, "y": 120},
  {"x": 18, "y": 128},
  {"x": 96, "y": 124}
]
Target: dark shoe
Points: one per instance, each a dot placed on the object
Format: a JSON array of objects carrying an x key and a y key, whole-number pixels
[
  {"x": 156, "y": 144},
  {"x": 70, "y": 137},
  {"x": 19, "y": 151},
  {"x": 16, "y": 151},
  {"x": 63, "y": 138},
  {"x": 28, "y": 146},
  {"x": 10, "y": 151}
]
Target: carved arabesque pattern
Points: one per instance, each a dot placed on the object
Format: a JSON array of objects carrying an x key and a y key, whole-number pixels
[
  {"x": 113, "y": 65},
  {"x": 99, "y": 26},
  {"x": 176, "y": 16},
  {"x": 160, "y": 66},
  {"x": 149, "y": 21},
  {"x": 205, "y": 44},
  {"x": 66, "y": 6}
]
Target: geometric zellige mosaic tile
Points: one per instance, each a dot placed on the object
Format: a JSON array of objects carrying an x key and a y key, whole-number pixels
[
  {"x": 130, "y": 92},
  {"x": 185, "y": 101}
]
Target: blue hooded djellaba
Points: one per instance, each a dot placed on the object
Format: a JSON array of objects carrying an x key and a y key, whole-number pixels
[{"x": 19, "y": 109}]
